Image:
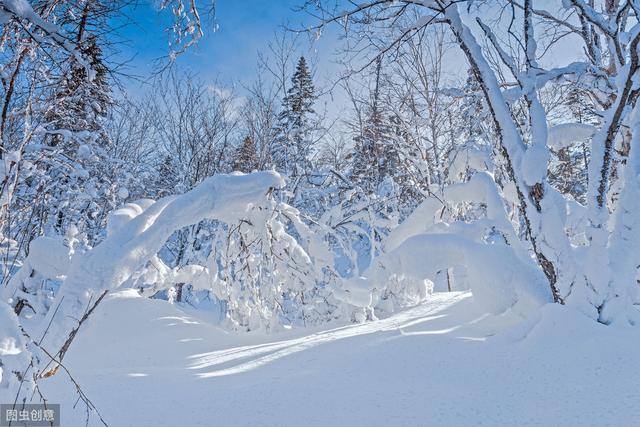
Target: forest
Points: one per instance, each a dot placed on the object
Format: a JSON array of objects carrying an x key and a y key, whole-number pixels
[{"x": 413, "y": 212}]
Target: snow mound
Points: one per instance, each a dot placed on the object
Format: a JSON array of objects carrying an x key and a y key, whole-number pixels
[
  {"x": 49, "y": 256},
  {"x": 498, "y": 278}
]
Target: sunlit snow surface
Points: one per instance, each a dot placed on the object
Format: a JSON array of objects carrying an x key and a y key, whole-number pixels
[{"x": 444, "y": 363}]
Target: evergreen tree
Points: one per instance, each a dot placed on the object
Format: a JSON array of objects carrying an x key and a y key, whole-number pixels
[
  {"x": 75, "y": 173},
  {"x": 81, "y": 101},
  {"x": 375, "y": 156},
  {"x": 472, "y": 112},
  {"x": 293, "y": 143},
  {"x": 246, "y": 157},
  {"x": 370, "y": 164},
  {"x": 166, "y": 178}
]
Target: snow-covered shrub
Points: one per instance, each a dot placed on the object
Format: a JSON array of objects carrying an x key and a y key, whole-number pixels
[
  {"x": 264, "y": 276},
  {"x": 466, "y": 238},
  {"x": 266, "y": 270},
  {"x": 401, "y": 291}
]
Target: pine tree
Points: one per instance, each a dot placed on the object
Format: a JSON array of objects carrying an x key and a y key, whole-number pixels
[
  {"x": 81, "y": 100},
  {"x": 75, "y": 173},
  {"x": 472, "y": 111},
  {"x": 369, "y": 163},
  {"x": 293, "y": 144},
  {"x": 166, "y": 178},
  {"x": 246, "y": 157},
  {"x": 375, "y": 156}
]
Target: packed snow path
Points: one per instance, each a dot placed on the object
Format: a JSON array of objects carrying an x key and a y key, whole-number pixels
[{"x": 147, "y": 363}]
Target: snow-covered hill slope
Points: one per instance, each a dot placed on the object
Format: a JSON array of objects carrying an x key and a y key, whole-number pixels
[{"x": 444, "y": 363}]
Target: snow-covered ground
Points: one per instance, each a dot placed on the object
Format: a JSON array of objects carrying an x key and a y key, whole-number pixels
[{"x": 147, "y": 363}]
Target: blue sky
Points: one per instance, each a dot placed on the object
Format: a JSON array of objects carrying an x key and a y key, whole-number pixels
[{"x": 244, "y": 27}]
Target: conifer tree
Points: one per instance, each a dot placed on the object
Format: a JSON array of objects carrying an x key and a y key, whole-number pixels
[
  {"x": 246, "y": 157},
  {"x": 75, "y": 172},
  {"x": 472, "y": 111},
  {"x": 375, "y": 155},
  {"x": 166, "y": 178},
  {"x": 293, "y": 143},
  {"x": 82, "y": 99}
]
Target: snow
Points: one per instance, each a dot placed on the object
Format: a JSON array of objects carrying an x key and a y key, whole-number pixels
[
  {"x": 49, "y": 256},
  {"x": 123, "y": 193},
  {"x": 345, "y": 313},
  {"x": 84, "y": 152},
  {"x": 117, "y": 218},
  {"x": 624, "y": 250},
  {"x": 23, "y": 9},
  {"x": 445, "y": 362},
  {"x": 421, "y": 219},
  {"x": 11, "y": 344},
  {"x": 482, "y": 189},
  {"x": 136, "y": 235},
  {"x": 499, "y": 279},
  {"x": 534, "y": 164},
  {"x": 563, "y": 135},
  {"x": 8, "y": 346},
  {"x": 501, "y": 275},
  {"x": 48, "y": 259},
  {"x": 474, "y": 158}
]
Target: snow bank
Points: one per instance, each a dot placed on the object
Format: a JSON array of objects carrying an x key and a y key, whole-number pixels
[{"x": 446, "y": 352}]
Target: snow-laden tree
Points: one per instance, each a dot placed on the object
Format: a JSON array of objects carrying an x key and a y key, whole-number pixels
[
  {"x": 195, "y": 132},
  {"x": 53, "y": 99},
  {"x": 429, "y": 110},
  {"x": 263, "y": 271},
  {"x": 246, "y": 156},
  {"x": 597, "y": 277},
  {"x": 293, "y": 143},
  {"x": 375, "y": 155},
  {"x": 77, "y": 189},
  {"x": 32, "y": 350},
  {"x": 273, "y": 271}
]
